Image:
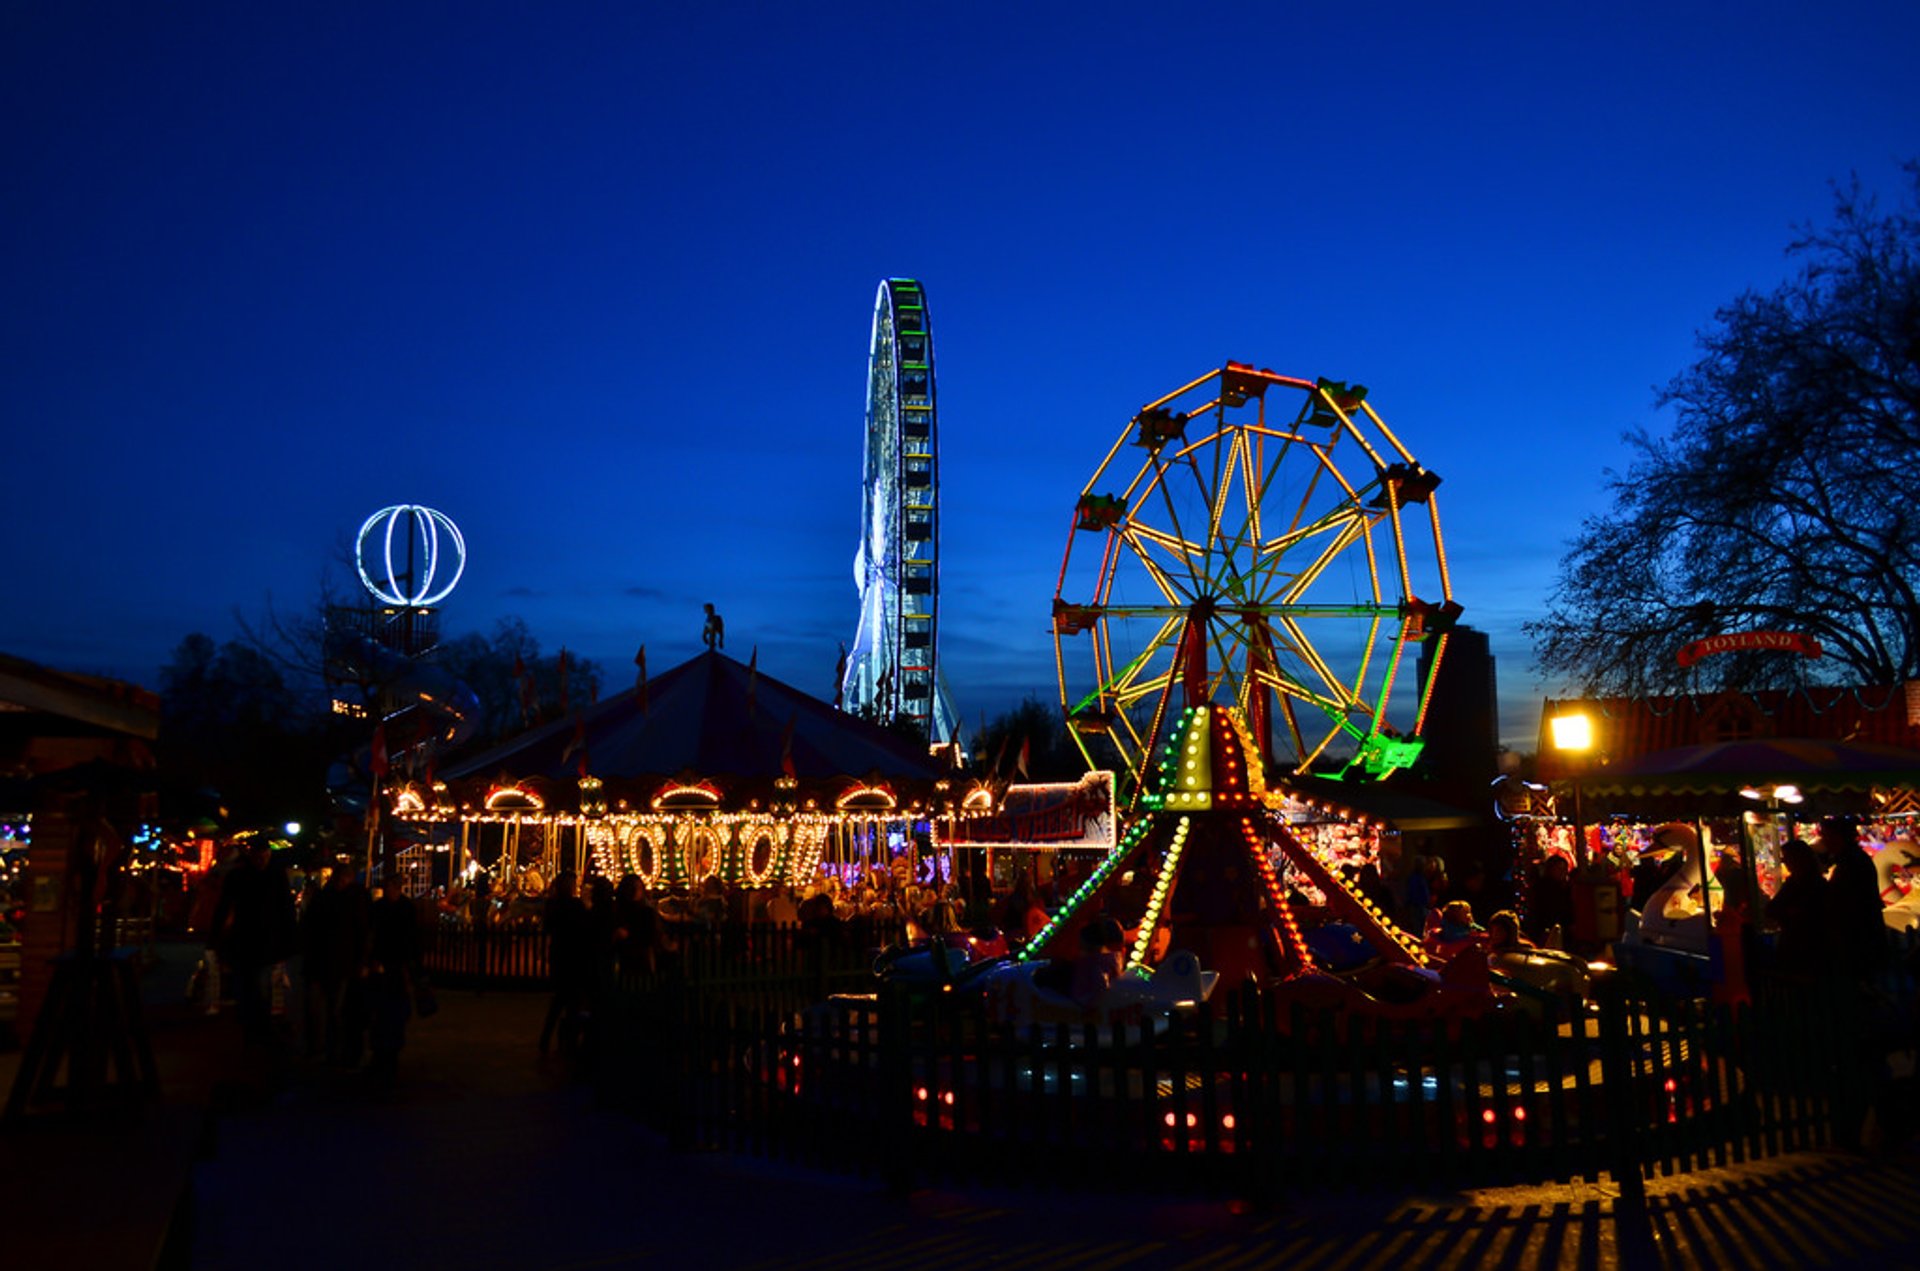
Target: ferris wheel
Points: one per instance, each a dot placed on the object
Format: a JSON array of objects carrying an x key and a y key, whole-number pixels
[
  {"x": 893, "y": 670},
  {"x": 1275, "y": 549}
]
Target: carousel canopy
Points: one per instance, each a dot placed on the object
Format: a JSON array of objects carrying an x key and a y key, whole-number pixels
[{"x": 711, "y": 717}]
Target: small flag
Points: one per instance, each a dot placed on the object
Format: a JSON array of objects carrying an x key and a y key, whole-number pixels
[
  {"x": 640, "y": 678},
  {"x": 579, "y": 740},
  {"x": 786, "y": 745},
  {"x": 1026, "y": 752},
  {"x": 839, "y": 677},
  {"x": 999, "y": 755},
  {"x": 525, "y": 682}
]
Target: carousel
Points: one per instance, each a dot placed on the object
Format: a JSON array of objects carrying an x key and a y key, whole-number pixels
[{"x": 711, "y": 770}]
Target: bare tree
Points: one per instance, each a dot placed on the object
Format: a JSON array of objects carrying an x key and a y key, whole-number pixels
[{"x": 1783, "y": 498}]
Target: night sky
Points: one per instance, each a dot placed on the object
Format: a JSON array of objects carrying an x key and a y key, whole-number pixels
[{"x": 596, "y": 280}]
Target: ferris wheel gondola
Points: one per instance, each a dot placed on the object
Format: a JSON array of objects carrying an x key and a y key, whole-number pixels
[
  {"x": 1277, "y": 550},
  {"x": 893, "y": 670}
]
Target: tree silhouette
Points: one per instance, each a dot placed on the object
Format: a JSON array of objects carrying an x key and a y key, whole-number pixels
[
  {"x": 1051, "y": 754},
  {"x": 1782, "y": 500}
]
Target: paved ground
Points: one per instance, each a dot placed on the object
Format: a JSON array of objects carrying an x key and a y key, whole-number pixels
[{"x": 486, "y": 1156}]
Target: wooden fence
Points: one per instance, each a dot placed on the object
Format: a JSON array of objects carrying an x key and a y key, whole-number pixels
[
  {"x": 719, "y": 959},
  {"x": 780, "y": 1042},
  {"x": 485, "y": 957},
  {"x": 1238, "y": 1097}
]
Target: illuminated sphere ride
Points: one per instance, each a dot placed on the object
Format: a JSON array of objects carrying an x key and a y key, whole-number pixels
[
  {"x": 893, "y": 669},
  {"x": 1276, "y": 550},
  {"x": 410, "y": 556}
]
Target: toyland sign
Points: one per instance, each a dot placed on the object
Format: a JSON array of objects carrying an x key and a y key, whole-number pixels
[
  {"x": 1047, "y": 815},
  {"x": 1749, "y": 642}
]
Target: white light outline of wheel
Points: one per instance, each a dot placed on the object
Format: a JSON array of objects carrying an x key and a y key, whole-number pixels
[
  {"x": 430, "y": 525},
  {"x": 1238, "y": 566},
  {"x": 877, "y": 673}
]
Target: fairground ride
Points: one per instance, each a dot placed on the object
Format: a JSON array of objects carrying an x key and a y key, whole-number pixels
[
  {"x": 893, "y": 671},
  {"x": 1276, "y": 550}
]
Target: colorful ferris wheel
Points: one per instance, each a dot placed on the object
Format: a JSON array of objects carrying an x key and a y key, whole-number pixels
[
  {"x": 893, "y": 671},
  {"x": 1274, "y": 548}
]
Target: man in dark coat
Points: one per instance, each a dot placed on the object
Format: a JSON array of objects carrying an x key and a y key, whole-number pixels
[
  {"x": 333, "y": 950},
  {"x": 1855, "y": 917},
  {"x": 253, "y": 928},
  {"x": 393, "y": 969},
  {"x": 570, "y": 962}
]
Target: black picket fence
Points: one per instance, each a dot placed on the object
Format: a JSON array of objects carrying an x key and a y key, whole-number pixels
[
  {"x": 485, "y": 957},
  {"x": 1242, "y": 1096},
  {"x": 717, "y": 958}
]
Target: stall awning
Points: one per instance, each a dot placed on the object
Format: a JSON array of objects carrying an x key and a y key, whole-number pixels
[{"x": 1815, "y": 766}]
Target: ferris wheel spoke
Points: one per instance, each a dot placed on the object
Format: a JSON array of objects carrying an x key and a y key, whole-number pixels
[
  {"x": 1172, "y": 588},
  {"x": 1180, "y": 553},
  {"x": 1336, "y": 521},
  {"x": 1303, "y": 649}
]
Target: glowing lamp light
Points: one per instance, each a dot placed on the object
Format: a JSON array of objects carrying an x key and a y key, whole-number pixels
[
  {"x": 293, "y": 829},
  {"x": 1573, "y": 733}
]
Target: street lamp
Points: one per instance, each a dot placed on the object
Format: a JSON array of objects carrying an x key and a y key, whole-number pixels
[{"x": 1573, "y": 735}]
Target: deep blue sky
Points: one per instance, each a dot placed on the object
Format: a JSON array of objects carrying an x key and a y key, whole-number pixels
[{"x": 596, "y": 280}]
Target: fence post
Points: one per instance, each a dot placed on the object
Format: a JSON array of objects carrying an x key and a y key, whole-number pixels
[
  {"x": 1633, "y": 1225},
  {"x": 676, "y": 1049},
  {"x": 1617, "y": 1087},
  {"x": 896, "y": 1091}
]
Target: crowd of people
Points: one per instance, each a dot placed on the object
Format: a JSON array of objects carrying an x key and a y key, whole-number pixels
[{"x": 361, "y": 976}]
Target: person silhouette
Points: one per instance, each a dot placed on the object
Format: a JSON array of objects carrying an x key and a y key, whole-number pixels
[{"x": 715, "y": 630}]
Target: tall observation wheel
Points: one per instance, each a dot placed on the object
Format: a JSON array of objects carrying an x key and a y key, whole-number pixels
[
  {"x": 1267, "y": 544},
  {"x": 893, "y": 670}
]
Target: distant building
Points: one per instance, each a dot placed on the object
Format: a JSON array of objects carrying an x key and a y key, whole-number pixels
[
  {"x": 1625, "y": 728},
  {"x": 1463, "y": 714}
]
